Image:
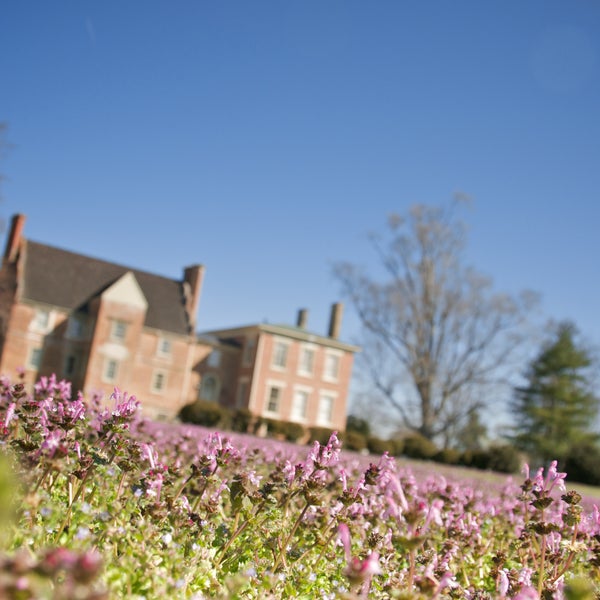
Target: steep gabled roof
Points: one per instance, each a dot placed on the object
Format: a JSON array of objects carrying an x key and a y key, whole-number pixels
[{"x": 69, "y": 280}]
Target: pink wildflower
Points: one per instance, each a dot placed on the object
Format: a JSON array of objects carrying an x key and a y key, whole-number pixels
[
  {"x": 503, "y": 583},
  {"x": 10, "y": 411},
  {"x": 125, "y": 406},
  {"x": 325, "y": 456},
  {"x": 53, "y": 446},
  {"x": 357, "y": 570},
  {"x": 149, "y": 453},
  {"x": 555, "y": 478}
]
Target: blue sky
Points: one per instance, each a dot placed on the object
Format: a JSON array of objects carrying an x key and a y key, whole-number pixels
[{"x": 266, "y": 139}]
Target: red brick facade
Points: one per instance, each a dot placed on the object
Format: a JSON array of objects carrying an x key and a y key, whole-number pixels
[
  {"x": 101, "y": 325},
  {"x": 281, "y": 372}
]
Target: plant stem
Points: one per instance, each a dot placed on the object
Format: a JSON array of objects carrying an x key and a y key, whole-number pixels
[
  {"x": 70, "y": 507},
  {"x": 234, "y": 535},
  {"x": 541, "y": 565},
  {"x": 290, "y": 535},
  {"x": 411, "y": 569}
]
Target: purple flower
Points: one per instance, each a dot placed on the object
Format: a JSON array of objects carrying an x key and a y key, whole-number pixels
[
  {"x": 125, "y": 406},
  {"x": 555, "y": 478},
  {"x": 503, "y": 583},
  {"x": 325, "y": 456},
  {"x": 10, "y": 411},
  {"x": 357, "y": 570}
]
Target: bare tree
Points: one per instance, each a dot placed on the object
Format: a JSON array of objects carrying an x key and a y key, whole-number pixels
[{"x": 434, "y": 332}]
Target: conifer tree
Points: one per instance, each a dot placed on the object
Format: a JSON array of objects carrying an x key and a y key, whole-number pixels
[{"x": 557, "y": 407}]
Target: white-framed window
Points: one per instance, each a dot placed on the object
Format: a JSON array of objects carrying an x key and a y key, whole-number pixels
[
  {"x": 159, "y": 381},
  {"x": 214, "y": 359},
  {"x": 331, "y": 368},
  {"x": 275, "y": 393},
  {"x": 118, "y": 330},
  {"x": 300, "y": 405},
  {"x": 41, "y": 320},
  {"x": 34, "y": 360},
  {"x": 249, "y": 350},
  {"x": 325, "y": 412},
  {"x": 111, "y": 370},
  {"x": 280, "y": 354},
  {"x": 306, "y": 363},
  {"x": 164, "y": 347},
  {"x": 209, "y": 388},
  {"x": 241, "y": 399}
]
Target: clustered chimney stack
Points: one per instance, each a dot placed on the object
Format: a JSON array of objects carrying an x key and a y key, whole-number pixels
[
  {"x": 335, "y": 321},
  {"x": 192, "y": 283},
  {"x": 13, "y": 242},
  {"x": 302, "y": 318}
]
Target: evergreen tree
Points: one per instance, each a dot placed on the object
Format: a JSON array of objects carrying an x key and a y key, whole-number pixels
[{"x": 557, "y": 407}]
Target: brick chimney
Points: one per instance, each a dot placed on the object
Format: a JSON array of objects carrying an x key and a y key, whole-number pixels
[
  {"x": 192, "y": 285},
  {"x": 13, "y": 242},
  {"x": 335, "y": 321},
  {"x": 302, "y": 318}
]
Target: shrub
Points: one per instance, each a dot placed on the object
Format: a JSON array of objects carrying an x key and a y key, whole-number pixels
[
  {"x": 466, "y": 458},
  {"x": 208, "y": 414},
  {"x": 502, "y": 458},
  {"x": 582, "y": 463},
  {"x": 358, "y": 424},
  {"x": 320, "y": 434},
  {"x": 293, "y": 431},
  {"x": 479, "y": 459},
  {"x": 378, "y": 446},
  {"x": 353, "y": 440},
  {"x": 397, "y": 445},
  {"x": 447, "y": 456},
  {"x": 241, "y": 420},
  {"x": 417, "y": 446},
  {"x": 275, "y": 427}
]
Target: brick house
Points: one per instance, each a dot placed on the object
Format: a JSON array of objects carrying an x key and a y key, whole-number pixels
[
  {"x": 97, "y": 324},
  {"x": 279, "y": 371},
  {"x": 101, "y": 325}
]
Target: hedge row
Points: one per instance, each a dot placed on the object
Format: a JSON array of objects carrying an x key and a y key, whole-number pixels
[
  {"x": 241, "y": 420},
  {"x": 502, "y": 458}
]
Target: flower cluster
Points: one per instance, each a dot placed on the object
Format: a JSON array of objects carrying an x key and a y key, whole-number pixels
[{"x": 103, "y": 503}]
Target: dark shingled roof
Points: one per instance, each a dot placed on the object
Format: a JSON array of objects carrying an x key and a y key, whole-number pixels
[{"x": 62, "y": 278}]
